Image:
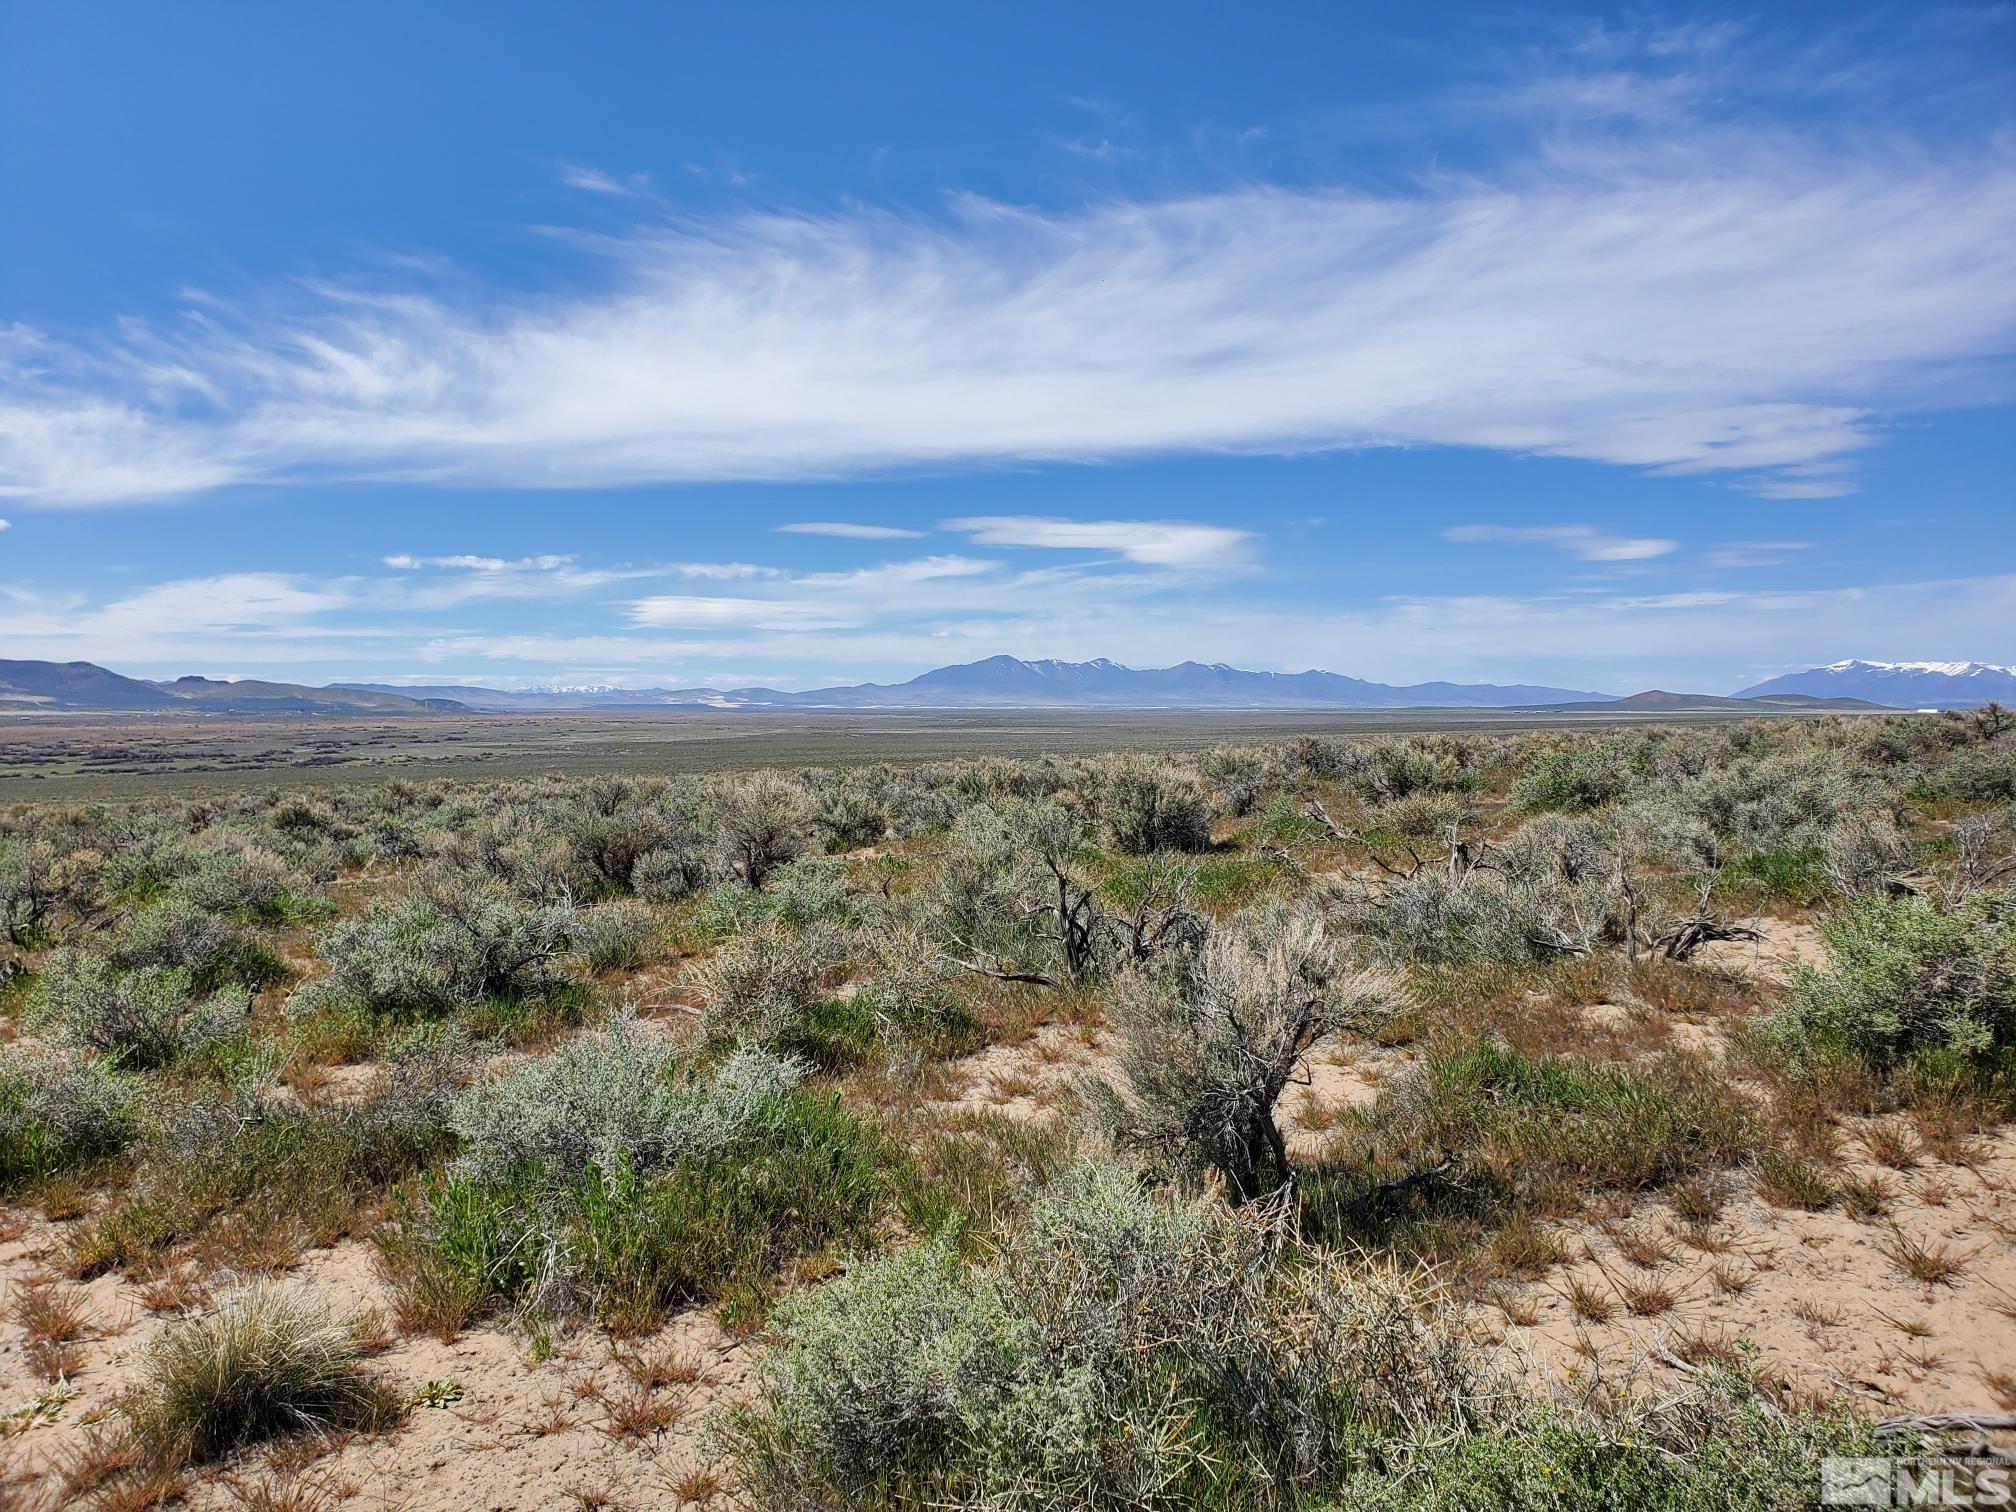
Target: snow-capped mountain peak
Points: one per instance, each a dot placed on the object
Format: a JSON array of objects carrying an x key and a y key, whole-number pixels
[
  {"x": 1942, "y": 669},
  {"x": 1902, "y": 684}
]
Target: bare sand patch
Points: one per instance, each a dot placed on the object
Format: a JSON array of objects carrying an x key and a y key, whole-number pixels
[
  {"x": 488, "y": 1424},
  {"x": 1815, "y": 1297}
]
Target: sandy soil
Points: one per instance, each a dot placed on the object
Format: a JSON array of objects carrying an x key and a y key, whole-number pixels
[
  {"x": 488, "y": 1427},
  {"x": 1831, "y": 1314},
  {"x": 1036, "y": 1079},
  {"x": 1786, "y": 943}
]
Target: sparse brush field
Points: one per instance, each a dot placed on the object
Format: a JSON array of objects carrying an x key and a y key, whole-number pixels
[{"x": 1614, "y": 1118}]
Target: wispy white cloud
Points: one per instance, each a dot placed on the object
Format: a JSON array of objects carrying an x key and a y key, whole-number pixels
[
  {"x": 227, "y": 604},
  {"x": 1099, "y": 149},
  {"x": 546, "y": 563},
  {"x": 931, "y": 611},
  {"x": 1153, "y": 543},
  {"x": 849, "y": 531},
  {"x": 1746, "y": 304},
  {"x": 1708, "y": 641},
  {"x": 1585, "y": 542},
  {"x": 889, "y": 577},
  {"x": 683, "y": 611},
  {"x": 1106, "y": 110},
  {"x": 1813, "y": 480},
  {"x": 1756, "y": 553},
  {"x": 826, "y": 600},
  {"x": 595, "y": 181},
  {"x": 554, "y": 575},
  {"x": 721, "y": 571}
]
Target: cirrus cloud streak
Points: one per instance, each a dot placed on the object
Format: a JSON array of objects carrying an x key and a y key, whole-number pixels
[{"x": 1746, "y": 306}]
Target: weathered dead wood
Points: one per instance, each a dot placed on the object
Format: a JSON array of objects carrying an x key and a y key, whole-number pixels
[{"x": 1701, "y": 927}]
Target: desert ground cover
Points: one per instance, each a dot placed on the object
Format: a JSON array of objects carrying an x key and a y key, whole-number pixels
[
  {"x": 1608, "y": 1117},
  {"x": 72, "y": 757}
]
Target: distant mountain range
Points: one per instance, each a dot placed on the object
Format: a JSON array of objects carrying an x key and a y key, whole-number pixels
[
  {"x": 1004, "y": 682},
  {"x": 75, "y": 685},
  {"x": 1904, "y": 685},
  {"x": 81, "y": 685}
]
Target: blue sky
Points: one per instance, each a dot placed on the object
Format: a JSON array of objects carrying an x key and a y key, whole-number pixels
[{"x": 673, "y": 345}]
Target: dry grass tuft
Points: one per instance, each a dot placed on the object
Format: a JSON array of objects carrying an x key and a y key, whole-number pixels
[
  {"x": 1933, "y": 1263},
  {"x": 1790, "y": 1181},
  {"x": 264, "y": 1364},
  {"x": 1867, "y": 1198},
  {"x": 1649, "y": 1298},
  {"x": 54, "y": 1319},
  {"x": 1892, "y": 1142},
  {"x": 1590, "y": 1305}
]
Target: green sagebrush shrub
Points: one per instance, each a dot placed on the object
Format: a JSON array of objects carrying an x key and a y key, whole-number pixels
[
  {"x": 849, "y": 816},
  {"x": 453, "y": 944},
  {"x": 1146, "y": 808},
  {"x": 1487, "y": 917},
  {"x": 32, "y": 888},
  {"x": 1124, "y": 1350},
  {"x": 140, "y": 1018},
  {"x": 55, "y": 1116},
  {"x": 802, "y": 893},
  {"x": 1907, "y": 975},
  {"x": 1979, "y": 774},
  {"x": 667, "y": 874},
  {"x": 615, "y": 1098},
  {"x": 1013, "y": 894},
  {"x": 250, "y": 884},
  {"x": 615, "y": 936},
  {"x": 1382, "y": 770},
  {"x": 611, "y": 1178},
  {"x": 1785, "y": 801},
  {"x": 1866, "y": 854},
  {"x": 178, "y": 932},
  {"x": 760, "y": 824},
  {"x": 1584, "y": 776},
  {"x": 767, "y": 986}
]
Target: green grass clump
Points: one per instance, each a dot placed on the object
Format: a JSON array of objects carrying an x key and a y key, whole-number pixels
[
  {"x": 1781, "y": 876},
  {"x": 814, "y": 1180},
  {"x": 265, "y": 1364},
  {"x": 1523, "y": 1134},
  {"x": 253, "y": 1177},
  {"x": 1719, "y": 1446},
  {"x": 1224, "y": 880},
  {"x": 970, "y": 1174}
]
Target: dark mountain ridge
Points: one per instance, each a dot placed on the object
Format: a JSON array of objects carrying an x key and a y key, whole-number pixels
[
  {"x": 74, "y": 685},
  {"x": 44, "y": 685}
]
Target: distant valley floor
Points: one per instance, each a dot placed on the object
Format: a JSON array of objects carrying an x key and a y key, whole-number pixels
[{"x": 82, "y": 756}]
